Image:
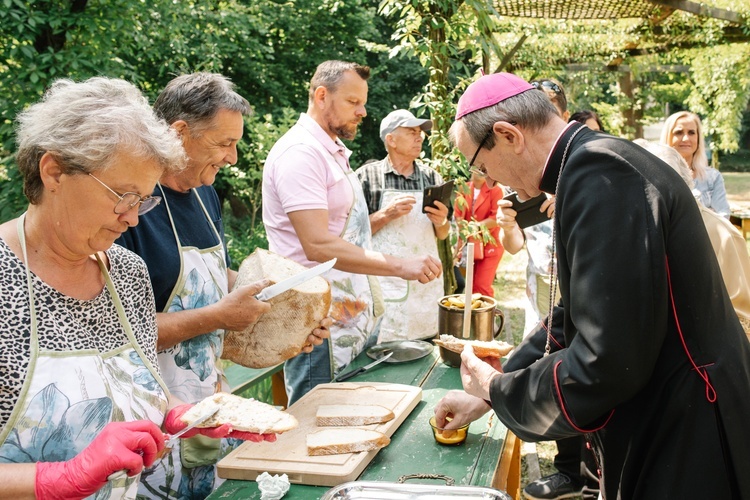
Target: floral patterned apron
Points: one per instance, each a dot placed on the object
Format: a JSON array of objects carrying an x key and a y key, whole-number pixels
[
  {"x": 356, "y": 299},
  {"x": 57, "y": 417},
  {"x": 190, "y": 368},
  {"x": 411, "y": 307}
]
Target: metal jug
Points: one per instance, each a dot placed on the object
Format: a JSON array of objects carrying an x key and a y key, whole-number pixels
[{"x": 483, "y": 320}]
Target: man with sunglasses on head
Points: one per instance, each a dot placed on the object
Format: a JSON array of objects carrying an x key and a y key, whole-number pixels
[
  {"x": 645, "y": 356},
  {"x": 182, "y": 242}
]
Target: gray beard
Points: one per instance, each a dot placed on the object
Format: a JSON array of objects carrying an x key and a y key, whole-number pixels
[{"x": 344, "y": 132}]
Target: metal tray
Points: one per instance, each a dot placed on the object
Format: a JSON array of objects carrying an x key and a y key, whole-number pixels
[
  {"x": 403, "y": 350},
  {"x": 375, "y": 490}
]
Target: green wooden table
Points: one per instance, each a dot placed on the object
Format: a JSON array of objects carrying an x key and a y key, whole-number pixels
[{"x": 489, "y": 457}]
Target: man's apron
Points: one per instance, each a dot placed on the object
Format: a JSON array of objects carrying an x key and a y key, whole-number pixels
[
  {"x": 70, "y": 396},
  {"x": 356, "y": 299},
  {"x": 190, "y": 368},
  {"x": 411, "y": 307}
]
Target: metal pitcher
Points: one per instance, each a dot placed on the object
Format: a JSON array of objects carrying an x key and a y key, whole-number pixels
[{"x": 483, "y": 321}]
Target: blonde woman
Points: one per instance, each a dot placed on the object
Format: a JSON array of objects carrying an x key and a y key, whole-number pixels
[{"x": 684, "y": 132}]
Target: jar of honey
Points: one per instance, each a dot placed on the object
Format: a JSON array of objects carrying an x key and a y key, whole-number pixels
[{"x": 447, "y": 437}]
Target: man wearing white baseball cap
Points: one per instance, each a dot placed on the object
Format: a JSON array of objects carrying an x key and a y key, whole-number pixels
[{"x": 393, "y": 189}]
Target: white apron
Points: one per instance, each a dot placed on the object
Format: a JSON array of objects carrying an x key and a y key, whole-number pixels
[
  {"x": 190, "y": 368},
  {"x": 356, "y": 299},
  {"x": 58, "y": 416},
  {"x": 411, "y": 307}
]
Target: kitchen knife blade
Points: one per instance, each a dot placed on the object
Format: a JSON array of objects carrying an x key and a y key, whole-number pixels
[
  {"x": 174, "y": 437},
  {"x": 170, "y": 442},
  {"x": 362, "y": 369},
  {"x": 289, "y": 283}
]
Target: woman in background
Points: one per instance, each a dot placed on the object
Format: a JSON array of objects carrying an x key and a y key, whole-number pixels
[
  {"x": 684, "y": 132},
  {"x": 728, "y": 243},
  {"x": 588, "y": 118},
  {"x": 480, "y": 205}
]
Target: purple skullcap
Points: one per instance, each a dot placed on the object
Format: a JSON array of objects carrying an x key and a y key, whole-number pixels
[{"x": 489, "y": 90}]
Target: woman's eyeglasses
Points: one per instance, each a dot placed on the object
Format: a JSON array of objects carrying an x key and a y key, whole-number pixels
[
  {"x": 129, "y": 200},
  {"x": 547, "y": 85}
]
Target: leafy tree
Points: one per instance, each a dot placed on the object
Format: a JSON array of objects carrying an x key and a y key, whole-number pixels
[{"x": 268, "y": 48}]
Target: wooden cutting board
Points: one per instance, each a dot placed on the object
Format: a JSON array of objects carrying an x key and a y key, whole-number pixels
[{"x": 288, "y": 454}]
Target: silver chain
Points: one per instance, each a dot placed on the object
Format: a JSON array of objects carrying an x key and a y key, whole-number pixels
[{"x": 552, "y": 266}]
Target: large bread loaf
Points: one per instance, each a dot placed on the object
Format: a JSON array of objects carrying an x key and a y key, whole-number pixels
[{"x": 280, "y": 333}]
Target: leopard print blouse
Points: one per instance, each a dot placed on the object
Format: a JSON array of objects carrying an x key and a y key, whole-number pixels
[{"x": 65, "y": 323}]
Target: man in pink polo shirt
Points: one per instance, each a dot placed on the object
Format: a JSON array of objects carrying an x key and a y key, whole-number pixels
[{"x": 314, "y": 210}]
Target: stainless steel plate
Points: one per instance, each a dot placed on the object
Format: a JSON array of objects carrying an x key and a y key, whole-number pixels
[
  {"x": 403, "y": 350},
  {"x": 374, "y": 490}
]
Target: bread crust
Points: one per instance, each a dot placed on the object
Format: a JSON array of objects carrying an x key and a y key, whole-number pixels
[
  {"x": 246, "y": 415},
  {"x": 352, "y": 415},
  {"x": 282, "y": 332},
  {"x": 483, "y": 349},
  {"x": 369, "y": 441}
]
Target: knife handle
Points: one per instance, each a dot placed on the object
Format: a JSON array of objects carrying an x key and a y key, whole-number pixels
[{"x": 347, "y": 376}]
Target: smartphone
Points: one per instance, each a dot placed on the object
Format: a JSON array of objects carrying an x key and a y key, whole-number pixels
[
  {"x": 527, "y": 212},
  {"x": 441, "y": 193}
]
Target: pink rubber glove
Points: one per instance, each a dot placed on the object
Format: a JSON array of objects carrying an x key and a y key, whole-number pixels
[
  {"x": 174, "y": 424},
  {"x": 120, "y": 446}
]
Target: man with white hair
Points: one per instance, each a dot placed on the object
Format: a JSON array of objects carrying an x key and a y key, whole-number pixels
[
  {"x": 645, "y": 356},
  {"x": 393, "y": 189}
]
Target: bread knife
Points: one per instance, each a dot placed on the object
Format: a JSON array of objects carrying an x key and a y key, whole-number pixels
[
  {"x": 362, "y": 369},
  {"x": 296, "y": 280},
  {"x": 171, "y": 440},
  {"x": 174, "y": 437}
]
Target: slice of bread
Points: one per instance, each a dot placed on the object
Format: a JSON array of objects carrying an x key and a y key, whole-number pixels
[
  {"x": 483, "y": 349},
  {"x": 282, "y": 332},
  {"x": 243, "y": 414},
  {"x": 345, "y": 415},
  {"x": 336, "y": 441}
]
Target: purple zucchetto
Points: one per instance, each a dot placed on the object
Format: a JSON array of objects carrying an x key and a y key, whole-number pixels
[{"x": 489, "y": 90}]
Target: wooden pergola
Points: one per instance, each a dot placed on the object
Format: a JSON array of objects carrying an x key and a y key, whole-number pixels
[
  {"x": 652, "y": 12},
  {"x": 608, "y": 9}
]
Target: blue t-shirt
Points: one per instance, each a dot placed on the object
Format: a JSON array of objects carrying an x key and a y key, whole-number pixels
[{"x": 154, "y": 240}]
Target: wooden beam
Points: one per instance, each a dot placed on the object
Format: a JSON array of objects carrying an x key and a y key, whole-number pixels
[
  {"x": 624, "y": 68},
  {"x": 701, "y": 9},
  {"x": 510, "y": 54}
]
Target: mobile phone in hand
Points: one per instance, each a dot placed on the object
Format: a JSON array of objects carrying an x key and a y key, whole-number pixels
[{"x": 527, "y": 212}]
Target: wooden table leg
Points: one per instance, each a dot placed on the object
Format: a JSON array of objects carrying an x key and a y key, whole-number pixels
[{"x": 508, "y": 473}]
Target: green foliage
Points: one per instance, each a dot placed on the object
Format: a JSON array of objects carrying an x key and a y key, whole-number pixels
[
  {"x": 268, "y": 48},
  {"x": 721, "y": 91},
  {"x": 736, "y": 162},
  {"x": 470, "y": 229},
  {"x": 241, "y": 237},
  {"x": 442, "y": 34}
]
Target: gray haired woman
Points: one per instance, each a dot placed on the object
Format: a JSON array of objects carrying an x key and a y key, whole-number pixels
[{"x": 81, "y": 397}]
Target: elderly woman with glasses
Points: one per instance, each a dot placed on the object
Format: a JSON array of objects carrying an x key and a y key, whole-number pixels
[{"x": 81, "y": 396}]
